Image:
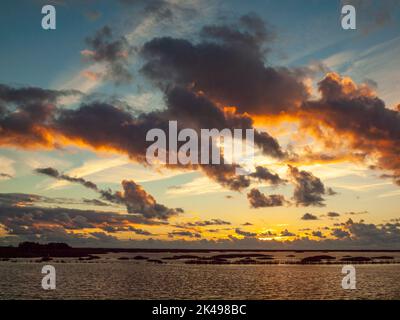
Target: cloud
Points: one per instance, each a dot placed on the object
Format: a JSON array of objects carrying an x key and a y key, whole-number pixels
[
  {"x": 260, "y": 200},
  {"x": 112, "y": 229},
  {"x": 267, "y": 234},
  {"x": 286, "y": 233},
  {"x": 225, "y": 67},
  {"x": 5, "y": 175},
  {"x": 373, "y": 15},
  {"x": 51, "y": 172},
  {"x": 205, "y": 223},
  {"x": 55, "y": 224},
  {"x": 184, "y": 234},
  {"x": 263, "y": 174},
  {"x": 134, "y": 197},
  {"x": 245, "y": 233},
  {"x": 318, "y": 234},
  {"x": 351, "y": 116},
  {"x": 228, "y": 66},
  {"x": 32, "y": 95},
  {"x": 23, "y": 199},
  {"x": 309, "y": 216},
  {"x": 7, "y": 170},
  {"x": 111, "y": 51},
  {"x": 46, "y": 126},
  {"x": 138, "y": 200},
  {"x": 339, "y": 233},
  {"x": 96, "y": 228},
  {"x": 353, "y": 213},
  {"x": 333, "y": 214},
  {"x": 22, "y": 111},
  {"x": 308, "y": 188}
]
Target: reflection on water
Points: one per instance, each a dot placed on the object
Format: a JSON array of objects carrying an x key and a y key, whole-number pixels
[{"x": 129, "y": 280}]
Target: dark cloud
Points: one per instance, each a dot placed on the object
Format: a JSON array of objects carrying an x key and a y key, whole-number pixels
[
  {"x": 32, "y": 95},
  {"x": 267, "y": 234},
  {"x": 318, "y": 234},
  {"x": 32, "y": 223},
  {"x": 51, "y": 172},
  {"x": 308, "y": 188},
  {"x": 112, "y": 229},
  {"x": 228, "y": 66},
  {"x": 23, "y": 111},
  {"x": 46, "y": 224},
  {"x": 286, "y": 233},
  {"x": 224, "y": 67},
  {"x": 114, "y": 52},
  {"x": 333, "y": 214},
  {"x": 205, "y": 223},
  {"x": 351, "y": 116},
  {"x": 44, "y": 125},
  {"x": 134, "y": 197},
  {"x": 260, "y": 200},
  {"x": 263, "y": 174},
  {"x": 95, "y": 202},
  {"x": 139, "y": 231},
  {"x": 22, "y": 199},
  {"x": 184, "y": 234},
  {"x": 11, "y": 199},
  {"x": 339, "y": 233},
  {"x": 309, "y": 216},
  {"x": 354, "y": 213},
  {"x": 138, "y": 200},
  {"x": 199, "y": 112},
  {"x": 245, "y": 233},
  {"x": 122, "y": 132}
]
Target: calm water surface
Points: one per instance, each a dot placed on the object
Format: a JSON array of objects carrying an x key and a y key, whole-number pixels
[{"x": 132, "y": 280}]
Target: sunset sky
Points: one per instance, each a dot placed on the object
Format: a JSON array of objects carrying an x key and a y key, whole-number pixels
[{"x": 76, "y": 103}]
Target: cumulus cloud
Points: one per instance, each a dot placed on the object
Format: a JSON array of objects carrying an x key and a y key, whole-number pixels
[
  {"x": 228, "y": 66},
  {"x": 286, "y": 233},
  {"x": 47, "y": 126},
  {"x": 318, "y": 234},
  {"x": 309, "y": 216},
  {"x": 350, "y": 115},
  {"x": 263, "y": 174},
  {"x": 339, "y": 233},
  {"x": 59, "y": 224},
  {"x": 260, "y": 200},
  {"x": 267, "y": 234},
  {"x": 308, "y": 188},
  {"x": 134, "y": 197}
]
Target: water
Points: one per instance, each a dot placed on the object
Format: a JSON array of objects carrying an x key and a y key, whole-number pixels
[{"x": 113, "y": 279}]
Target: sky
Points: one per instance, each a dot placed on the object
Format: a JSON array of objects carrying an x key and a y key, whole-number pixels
[{"x": 76, "y": 104}]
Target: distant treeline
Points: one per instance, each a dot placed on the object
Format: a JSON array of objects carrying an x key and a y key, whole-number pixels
[{"x": 34, "y": 249}]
